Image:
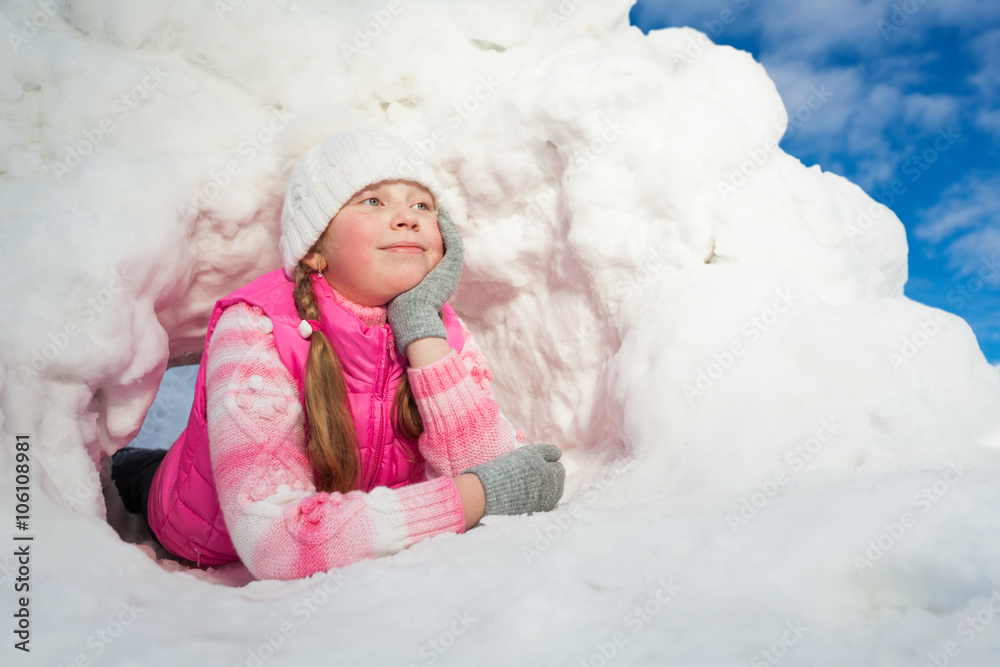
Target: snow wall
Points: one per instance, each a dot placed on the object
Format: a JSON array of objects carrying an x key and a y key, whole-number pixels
[{"x": 653, "y": 279}]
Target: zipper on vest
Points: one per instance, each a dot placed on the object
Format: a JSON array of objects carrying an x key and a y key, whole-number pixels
[{"x": 376, "y": 462}]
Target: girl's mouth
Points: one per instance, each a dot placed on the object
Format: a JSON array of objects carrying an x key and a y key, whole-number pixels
[{"x": 404, "y": 248}]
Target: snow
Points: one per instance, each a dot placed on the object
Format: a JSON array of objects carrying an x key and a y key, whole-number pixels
[{"x": 769, "y": 447}]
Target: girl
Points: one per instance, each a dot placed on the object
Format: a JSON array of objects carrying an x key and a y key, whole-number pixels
[{"x": 342, "y": 410}]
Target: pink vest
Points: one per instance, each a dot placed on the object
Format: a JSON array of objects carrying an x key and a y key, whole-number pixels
[{"x": 183, "y": 508}]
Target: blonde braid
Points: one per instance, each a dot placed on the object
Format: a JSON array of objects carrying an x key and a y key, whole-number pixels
[{"x": 333, "y": 442}]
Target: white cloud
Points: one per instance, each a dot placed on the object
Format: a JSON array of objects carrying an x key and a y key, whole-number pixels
[
  {"x": 987, "y": 79},
  {"x": 988, "y": 120},
  {"x": 967, "y": 222},
  {"x": 872, "y": 124},
  {"x": 970, "y": 204},
  {"x": 964, "y": 13},
  {"x": 814, "y": 30},
  {"x": 797, "y": 30},
  {"x": 987, "y": 48},
  {"x": 977, "y": 252},
  {"x": 797, "y": 82},
  {"x": 930, "y": 112}
]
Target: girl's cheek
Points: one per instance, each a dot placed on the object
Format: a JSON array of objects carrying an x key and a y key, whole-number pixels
[
  {"x": 360, "y": 265},
  {"x": 433, "y": 258},
  {"x": 437, "y": 248}
]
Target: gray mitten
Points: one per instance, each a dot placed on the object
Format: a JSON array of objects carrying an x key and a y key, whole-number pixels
[
  {"x": 528, "y": 479},
  {"x": 414, "y": 313}
]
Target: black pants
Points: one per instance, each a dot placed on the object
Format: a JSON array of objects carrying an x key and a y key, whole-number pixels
[{"x": 132, "y": 471}]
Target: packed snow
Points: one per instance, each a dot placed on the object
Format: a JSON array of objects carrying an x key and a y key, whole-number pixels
[{"x": 773, "y": 455}]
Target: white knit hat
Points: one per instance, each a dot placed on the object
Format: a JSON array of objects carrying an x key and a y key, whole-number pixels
[{"x": 330, "y": 173}]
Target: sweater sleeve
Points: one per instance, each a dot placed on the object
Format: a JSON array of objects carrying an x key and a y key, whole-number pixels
[
  {"x": 281, "y": 526},
  {"x": 463, "y": 425}
]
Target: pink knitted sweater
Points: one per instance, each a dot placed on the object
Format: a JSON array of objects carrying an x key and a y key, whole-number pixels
[{"x": 280, "y": 525}]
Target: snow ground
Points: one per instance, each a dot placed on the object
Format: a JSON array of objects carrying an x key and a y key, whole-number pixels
[{"x": 713, "y": 332}]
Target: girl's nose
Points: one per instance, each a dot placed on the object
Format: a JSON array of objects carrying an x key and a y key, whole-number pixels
[{"x": 404, "y": 216}]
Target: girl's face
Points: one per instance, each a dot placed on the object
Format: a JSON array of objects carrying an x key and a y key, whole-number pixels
[{"x": 382, "y": 242}]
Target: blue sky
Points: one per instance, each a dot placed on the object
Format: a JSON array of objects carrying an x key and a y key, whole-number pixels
[{"x": 914, "y": 106}]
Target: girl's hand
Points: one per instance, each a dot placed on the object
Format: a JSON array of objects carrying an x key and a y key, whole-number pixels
[
  {"x": 528, "y": 479},
  {"x": 473, "y": 498},
  {"x": 414, "y": 313}
]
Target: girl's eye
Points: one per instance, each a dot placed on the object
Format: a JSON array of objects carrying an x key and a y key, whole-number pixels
[
  {"x": 373, "y": 201},
  {"x": 423, "y": 206}
]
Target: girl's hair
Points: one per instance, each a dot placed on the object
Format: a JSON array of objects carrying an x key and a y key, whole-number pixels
[{"x": 333, "y": 442}]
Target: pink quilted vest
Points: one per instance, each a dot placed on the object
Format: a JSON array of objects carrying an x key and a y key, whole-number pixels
[{"x": 183, "y": 508}]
